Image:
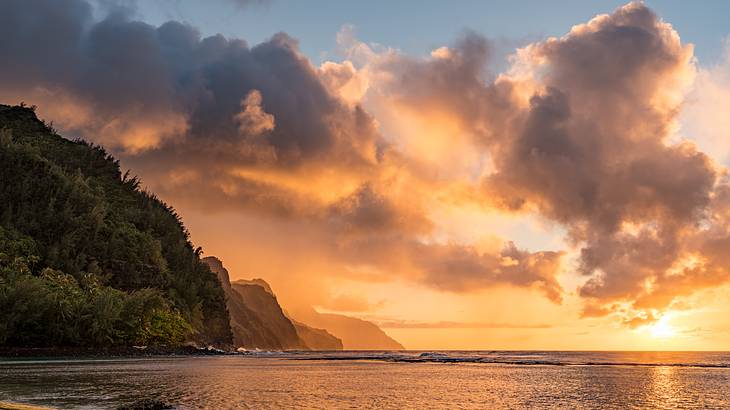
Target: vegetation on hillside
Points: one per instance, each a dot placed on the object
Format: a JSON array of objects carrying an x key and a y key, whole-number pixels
[{"x": 87, "y": 258}]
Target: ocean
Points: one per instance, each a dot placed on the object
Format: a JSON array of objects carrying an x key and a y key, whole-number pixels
[{"x": 382, "y": 380}]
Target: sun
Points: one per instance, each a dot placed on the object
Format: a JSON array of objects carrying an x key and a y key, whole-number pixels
[{"x": 662, "y": 329}]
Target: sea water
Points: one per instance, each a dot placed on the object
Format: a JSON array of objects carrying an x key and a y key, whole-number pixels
[{"x": 397, "y": 380}]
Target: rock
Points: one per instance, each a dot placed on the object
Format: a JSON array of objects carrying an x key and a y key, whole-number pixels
[{"x": 356, "y": 334}]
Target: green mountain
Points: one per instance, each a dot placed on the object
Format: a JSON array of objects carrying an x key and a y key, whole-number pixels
[{"x": 87, "y": 258}]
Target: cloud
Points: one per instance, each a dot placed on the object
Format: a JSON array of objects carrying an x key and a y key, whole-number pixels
[
  {"x": 702, "y": 118},
  {"x": 453, "y": 267},
  {"x": 579, "y": 130},
  {"x": 253, "y": 120},
  {"x": 53, "y": 55},
  {"x": 400, "y": 324},
  {"x": 592, "y": 153},
  {"x": 215, "y": 124},
  {"x": 361, "y": 155},
  {"x": 459, "y": 268}
]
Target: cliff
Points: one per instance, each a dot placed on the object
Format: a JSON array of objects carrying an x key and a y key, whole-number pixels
[
  {"x": 356, "y": 334},
  {"x": 258, "y": 321},
  {"x": 267, "y": 308},
  {"x": 248, "y": 327},
  {"x": 317, "y": 339}
]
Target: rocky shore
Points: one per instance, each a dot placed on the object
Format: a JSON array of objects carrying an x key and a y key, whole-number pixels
[{"x": 120, "y": 351}]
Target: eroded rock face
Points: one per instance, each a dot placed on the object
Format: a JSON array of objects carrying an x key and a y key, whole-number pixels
[
  {"x": 266, "y": 307},
  {"x": 257, "y": 281},
  {"x": 258, "y": 321},
  {"x": 356, "y": 334},
  {"x": 317, "y": 339},
  {"x": 216, "y": 265},
  {"x": 249, "y": 329}
]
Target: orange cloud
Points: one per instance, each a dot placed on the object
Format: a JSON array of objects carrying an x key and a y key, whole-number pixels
[
  {"x": 579, "y": 131},
  {"x": 362, "y": 156}
]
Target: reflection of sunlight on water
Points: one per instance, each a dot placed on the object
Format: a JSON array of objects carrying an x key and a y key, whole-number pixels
[
  {"x": 665, "y": 387},
  {"x": 249, "y": 382}
]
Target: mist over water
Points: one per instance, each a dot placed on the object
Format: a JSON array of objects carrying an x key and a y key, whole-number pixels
[{"x": 379, "y": 380}]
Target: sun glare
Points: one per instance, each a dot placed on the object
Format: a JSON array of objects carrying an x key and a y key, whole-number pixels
[{"x": 662, "y": 329}]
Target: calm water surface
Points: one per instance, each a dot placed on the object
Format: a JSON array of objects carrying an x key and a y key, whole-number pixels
[{"x": 379, "y": 380}]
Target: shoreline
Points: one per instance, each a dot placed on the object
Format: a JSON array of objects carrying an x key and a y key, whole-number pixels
[
  {"x": 118, "y": 351},
  {"x": 9, "y": 405}
]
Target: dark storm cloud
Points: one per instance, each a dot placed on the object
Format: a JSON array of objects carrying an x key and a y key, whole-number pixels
[
  {"x": 118, "y": 66},
  {"x": 221, "y": 125}
]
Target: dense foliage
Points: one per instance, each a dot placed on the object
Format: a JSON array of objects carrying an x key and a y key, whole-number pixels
[{"x": 86, "y": 256}]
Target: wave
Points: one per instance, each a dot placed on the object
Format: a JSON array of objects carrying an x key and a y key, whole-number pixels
[{"x": 629, "y": 359}]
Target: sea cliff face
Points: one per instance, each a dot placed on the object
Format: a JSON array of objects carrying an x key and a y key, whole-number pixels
[
  {"x": 266, "y": 307},
  {"x": 248, "y": 327},
  {"x": 258, "y": 321},
  {"x": 356, "y": 334},
  {"x": 317, "y": 339}
]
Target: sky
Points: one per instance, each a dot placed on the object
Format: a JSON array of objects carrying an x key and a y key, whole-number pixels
[
  {"x": 468, "y": 175},
  {"x": 418, "y": 30}
]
